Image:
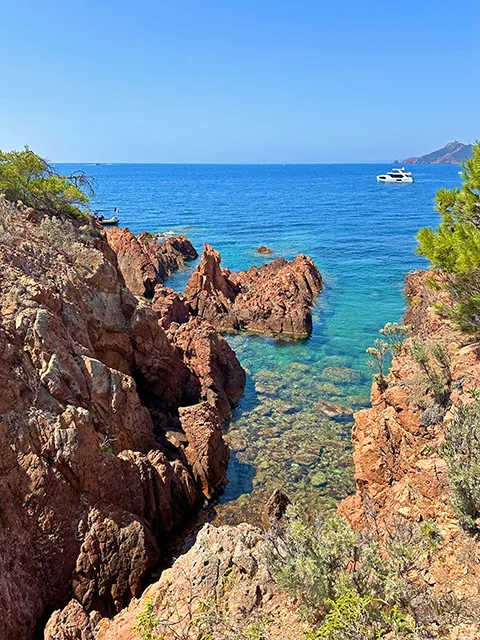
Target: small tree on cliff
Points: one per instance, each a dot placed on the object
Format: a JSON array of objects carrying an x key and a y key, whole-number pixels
[
  {"x": 26, "y": 177},
  {"x": 454, "y": 247}
]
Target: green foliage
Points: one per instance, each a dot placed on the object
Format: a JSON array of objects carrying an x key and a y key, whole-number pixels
[
  {"x": 147, "y": 621},
  {"x": 106, "y": 449},
  {"x": 454, "y": 246},
  {"x": 434, "y": 361},
  {"x": 353, "y": 585},
  {"x": 378, "y": 353},
  {"x": 26, "y": 177},
  {"x": 355, "y": 617},
  {"x": 381, "y": 353},
  {"x": 308, "y": 562},
  {"x": 462, "y": 454}
]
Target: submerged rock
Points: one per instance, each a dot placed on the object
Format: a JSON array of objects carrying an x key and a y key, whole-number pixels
[
  {"x": 331, "y": 410},
  {"x": 274, "y": 299}
]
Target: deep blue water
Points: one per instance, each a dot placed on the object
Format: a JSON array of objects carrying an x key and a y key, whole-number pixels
[{"x": 361, "y": 235}]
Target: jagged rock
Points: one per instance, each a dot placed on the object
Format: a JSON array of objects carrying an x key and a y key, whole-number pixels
[
  {"x": 275, "y": 298},
  {"x": 264, "y": 250},
  {"x": 225, "y": 565},
  {"x": 215, "y": 365},
  {"x": 72, "y": 623},
  {"x": 145, "y": 261},
  {"x": 88, "y": 376},
  {"x": 275, "y": 508},
  {"x": 206, "y": 452},
  {"x": 170, "y": 306}
]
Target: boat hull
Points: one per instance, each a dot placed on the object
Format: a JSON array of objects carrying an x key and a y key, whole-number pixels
[{"x": 405, "y": 180}]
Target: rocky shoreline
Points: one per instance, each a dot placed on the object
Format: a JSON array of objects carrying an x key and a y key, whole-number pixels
[
  {"x": 114, "y": 394},
  {"x": 115, "y": 389},
  {"x": 399, "y": 473}
]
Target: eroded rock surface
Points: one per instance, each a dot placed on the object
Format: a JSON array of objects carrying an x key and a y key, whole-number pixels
[
  {"x": 146, "y": 261},
  {"x": 225, "y": 571},
  {"x": 91, "y": 380},
  {"x": 275, "y": 298},
  {"x": 399, "y": 470}
]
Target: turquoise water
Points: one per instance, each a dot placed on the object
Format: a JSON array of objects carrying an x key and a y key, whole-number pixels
[{"x": 361, "y": 235}]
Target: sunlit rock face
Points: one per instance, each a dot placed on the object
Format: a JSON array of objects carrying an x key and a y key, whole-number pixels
[
  {"x": 93, "y": 380},
  {"x": 273, "y": 299}
]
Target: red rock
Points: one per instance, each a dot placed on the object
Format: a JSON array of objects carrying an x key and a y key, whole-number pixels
[
  {"x": 170, "y": 306},
  {"x": 88, "y": 376},
  {"x": 72, "y": 623},
  {"x": 228, "y": 556},
  {"x": 145, "y": 261},
  {"x": 206, "y": 452},
  {"x": 399, "y": 470},
  {"x": 275, "y": 298},
  {"x": 215, "y": 365}
]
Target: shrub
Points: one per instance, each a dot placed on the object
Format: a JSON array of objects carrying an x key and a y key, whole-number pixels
[
  {"x": 28, "y": 178},
  {"x": 355, "y": 617},
  {"x": 454, "y": 247},
  {"x": 381, "y": 353},
  {"x": 394, "y": 334},
  {"x": 462, "y": 454},
  {"x": 328, "y": 567},
  {"x": 434, "y": 362},
  {"x": 147, "y": 621}
]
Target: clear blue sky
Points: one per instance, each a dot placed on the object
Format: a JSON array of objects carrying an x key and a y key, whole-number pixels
[{"x": 238, "y": 80}]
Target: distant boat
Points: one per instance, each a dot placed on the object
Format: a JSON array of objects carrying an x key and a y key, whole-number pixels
[
  {"x": 396, "y": 175},
  {"x": 109, "y": 222}
]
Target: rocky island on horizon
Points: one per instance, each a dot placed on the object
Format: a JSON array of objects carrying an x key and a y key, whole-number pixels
[{"x": 452, "y": 153}]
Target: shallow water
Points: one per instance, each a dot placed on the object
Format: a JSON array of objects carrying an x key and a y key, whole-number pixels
[{"x": 361, "y": 235}]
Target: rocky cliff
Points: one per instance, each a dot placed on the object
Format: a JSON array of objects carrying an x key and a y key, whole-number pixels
[
  {"x": 399, "y": 469},
  {"x": 145, "y": 261},
  {"x": 399, "y": 472},
  {"x": 275, "y": 298},
  {"x": 110, "y": 414},
  {"x": 220, "y": 588}
]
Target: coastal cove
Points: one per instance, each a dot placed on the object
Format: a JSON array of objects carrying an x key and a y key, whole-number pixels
[{"x": 361, "y": 236}]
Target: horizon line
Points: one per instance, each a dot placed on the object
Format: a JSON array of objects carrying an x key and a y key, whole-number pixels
[{"x": 240, "y": 164}]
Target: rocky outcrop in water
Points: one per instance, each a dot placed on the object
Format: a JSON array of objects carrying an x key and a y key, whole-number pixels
[
  {"x": 274, "y": 299},
  {"x": 93, "y": 383},
  {"x": 144, "y": 261}
]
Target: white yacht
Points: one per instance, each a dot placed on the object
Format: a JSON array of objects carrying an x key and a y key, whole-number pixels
[{"x": 396, "y": 175}]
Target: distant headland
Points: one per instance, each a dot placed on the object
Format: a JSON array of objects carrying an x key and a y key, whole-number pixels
[{"x": 452, "y": 153}]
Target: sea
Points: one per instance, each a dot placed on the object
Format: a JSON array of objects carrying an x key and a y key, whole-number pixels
[{"x": 361, "y": 235}]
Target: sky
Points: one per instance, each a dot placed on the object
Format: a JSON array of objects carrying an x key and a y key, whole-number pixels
[{"x": 238, "y": 81}]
